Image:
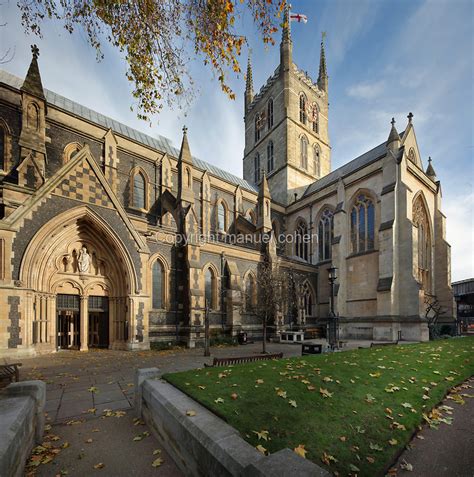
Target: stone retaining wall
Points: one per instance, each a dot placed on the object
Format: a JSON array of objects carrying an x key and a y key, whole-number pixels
[
  {"x": 204, "y": 445},
  {"x": 21, "y": 424}
]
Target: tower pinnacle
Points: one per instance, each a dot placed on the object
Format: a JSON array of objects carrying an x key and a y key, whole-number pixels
[
  {"x": 286, "y": 45},
  {"x": 323, "y": 74},
  {"x": 248, "y": 86}
]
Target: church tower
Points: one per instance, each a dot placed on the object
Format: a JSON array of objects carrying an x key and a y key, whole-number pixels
[{"x": 286, "y": 126}]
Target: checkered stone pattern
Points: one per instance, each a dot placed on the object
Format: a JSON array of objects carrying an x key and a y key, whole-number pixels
[{"x": 82, "y": 184}]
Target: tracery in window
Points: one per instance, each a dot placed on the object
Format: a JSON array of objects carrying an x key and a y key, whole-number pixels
[
  {"x": 308, "y": 301},
  {"x": 315, "y": 117},
  {"x": 157, "y": 285},
  {"x": 325, "y": 234},
  {"x": 317, "y": 160},
  {"x": 221, "y": 217},
  {"x": 139, "y": 189},
  {"x": 421, "y": 243},
  {"x": 362, "y": 224},
  {"x": 301, "y": 240}
]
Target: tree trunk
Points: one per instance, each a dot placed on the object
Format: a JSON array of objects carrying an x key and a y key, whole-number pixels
[{"x": 264, "y": 342}]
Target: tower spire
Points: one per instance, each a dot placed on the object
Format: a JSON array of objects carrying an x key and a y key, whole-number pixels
[
  {"x": 323, "y": 74},
  {"x": 248, "y": 85}
]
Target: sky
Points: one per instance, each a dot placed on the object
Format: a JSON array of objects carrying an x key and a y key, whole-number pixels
[{"x": 385, "y": 58}]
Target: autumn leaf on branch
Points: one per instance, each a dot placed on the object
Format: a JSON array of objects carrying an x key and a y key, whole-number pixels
[{"x": 159, "y": 39}]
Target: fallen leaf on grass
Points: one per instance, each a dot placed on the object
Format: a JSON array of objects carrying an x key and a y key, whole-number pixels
[
  {"x": 393, "y": 442},
  {"x": 157, "y": 452},
  {"x": 259, "y": 381},
  {"x": 292, "y": 403},
  {"x": 157, "y": 462},
  {"x": 370, "y": 460},
  {"x": 218, "y": 400},
  {"x": 301, "y": 451},
  {"x": 369, "y": 398},
  {"x": 343, "y": 438},
  {"x": 234, "y": 396},
  {"x": 100, "y": 465},
  {"x": 261, "y": 449},
  {"x": 328, "y": 458},
  {"x": 354, "y": 468},
  {"x": 262, "y": 435},
  {"x": 325, "y": 393},
  {"x": 375, "y": 447}
]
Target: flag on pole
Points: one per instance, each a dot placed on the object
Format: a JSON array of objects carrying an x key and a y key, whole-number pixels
[{"x": 298, "y": 17}]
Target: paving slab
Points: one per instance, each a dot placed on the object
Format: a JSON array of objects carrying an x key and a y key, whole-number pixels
[
  {"x": 447, "y": 451},
  {"x": 112, "y": 446}
]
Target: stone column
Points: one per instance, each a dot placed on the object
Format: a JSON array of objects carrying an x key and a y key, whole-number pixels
[
  {"x": 112, "y": 325},
  {"x": 84, "y": 319}
]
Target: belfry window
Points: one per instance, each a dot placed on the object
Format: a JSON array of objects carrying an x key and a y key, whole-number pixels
[
  {"x": 362, "y": 224},
  {"x": 325, "y": 234},
  {"x": 317, "y": 160},
  {"x": 270, "y": 156},
  {"x": 139, "y": 191},
  {"x": 303, "y": 115},
  {"x": 258, "y": 127},
  {"x": 270, "y": 114},
  {"x": 315, "y": 117},
  {"x": 157, "y": 285},
  {"x": 301, "y": 240},
  {"x": 303, "y": 152},
  {"x": 256, "y": 166}
]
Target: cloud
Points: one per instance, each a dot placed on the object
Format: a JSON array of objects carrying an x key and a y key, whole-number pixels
[
  {"x": 368, "y": 90},
  {"x": 460, "y": 234}
]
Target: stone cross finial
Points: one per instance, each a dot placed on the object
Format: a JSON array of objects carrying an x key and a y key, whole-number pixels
[
  {"x": 35, "y": 51},
  {"x": 410, "y": 117},
  {"x": 185, "y": 130},
  {"x": 429, "y": 159},
  {"x": 392, "y": 122}
]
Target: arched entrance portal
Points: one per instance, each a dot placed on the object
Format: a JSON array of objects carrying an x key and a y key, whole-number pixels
[{"x": 82, "y": 278}]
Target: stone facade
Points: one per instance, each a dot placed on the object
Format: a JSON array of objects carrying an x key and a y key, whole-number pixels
[{"x": 109, "y": 237}]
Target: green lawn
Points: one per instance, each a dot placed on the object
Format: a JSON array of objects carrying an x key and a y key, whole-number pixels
[{"x": 353, "y": 411}]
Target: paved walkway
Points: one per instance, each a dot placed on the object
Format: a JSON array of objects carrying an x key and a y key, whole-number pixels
[
  {"x": 447, "y": 451},
  {"x": 90, "y": 396}
]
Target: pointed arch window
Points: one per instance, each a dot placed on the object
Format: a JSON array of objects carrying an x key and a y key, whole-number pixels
[
  {"x": 315, "y": 118},
  {"x": 158, "y": 285},
  {"x": 256, "y": 166},
  {"x": 270, "y": 113},
  {"x": 221, "y": 217},
  {"x": 301, "y": 240},
  {"x": 308, "y": 300},
  {"x": 317, "y": 160},
  {"x": 258, "y": 125},
  {"x": 303, "y": 115},
  {"x": 363, "y": 224},
  {"x": 250, "y": 293},
  {"x": 210, "y": 288},
  {"x": 304, "y": 152},
  {"x": 270, "y": 156},
  {"x": 139, "y": 190},
  {"x": 325, "y": 234},
  {"x": 421, "y": 244},
  {"x": 32, "y": 116},
  {"x": 250, "y": 216},
  {"x": 3, "y": 147}
]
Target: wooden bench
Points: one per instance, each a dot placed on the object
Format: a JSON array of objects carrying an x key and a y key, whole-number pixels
[
  {"x": 9, "y": 373},
  {"x": 243, "y": 359}
]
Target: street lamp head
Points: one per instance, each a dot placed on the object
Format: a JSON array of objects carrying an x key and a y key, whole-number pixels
[{"x": 332, "y": 271}]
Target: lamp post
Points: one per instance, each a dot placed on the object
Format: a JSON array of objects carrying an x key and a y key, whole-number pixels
[
  {"x": 333, "y": 321},
  {"x": 207, "y": 351}
]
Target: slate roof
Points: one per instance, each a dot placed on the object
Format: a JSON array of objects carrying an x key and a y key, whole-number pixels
[
  {"x": 359, "y": 162},
  {"x": 159, "y": 143}
]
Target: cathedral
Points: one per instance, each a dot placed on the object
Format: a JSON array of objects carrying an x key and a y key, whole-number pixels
[{"x": 112, "y": 238}]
